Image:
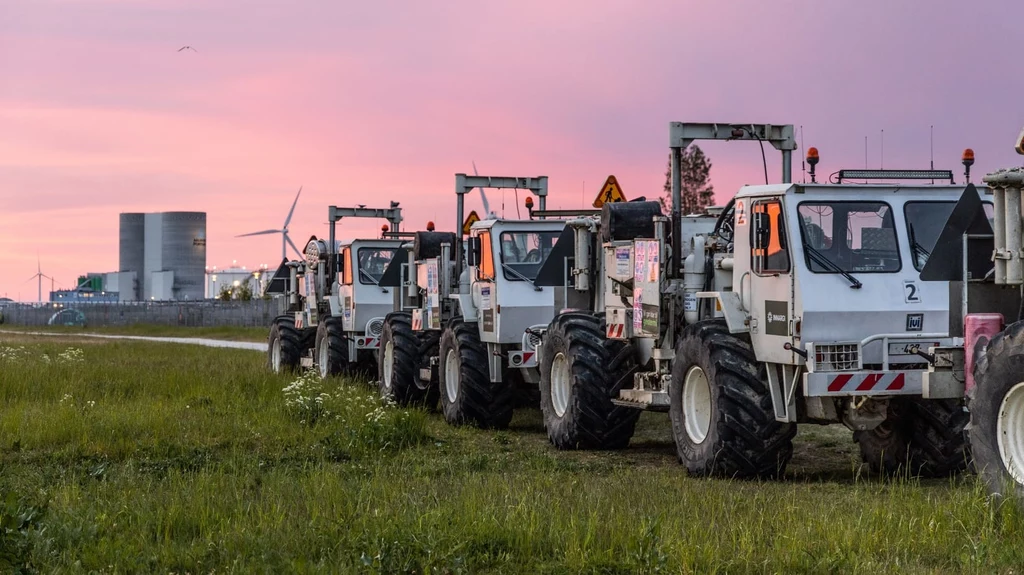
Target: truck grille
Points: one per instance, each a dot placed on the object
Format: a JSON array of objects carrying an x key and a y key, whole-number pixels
[
  {"x": 837, "y": 357},
  {"x": 374, "y": 327}
]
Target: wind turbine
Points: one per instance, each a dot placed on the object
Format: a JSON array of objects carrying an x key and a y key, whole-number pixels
[
  {"x": 40, "y": 275},
  {"x": 285, "y": 240},
  {"x": 488, "y": 214}
]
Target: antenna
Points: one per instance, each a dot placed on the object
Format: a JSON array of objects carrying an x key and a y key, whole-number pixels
[
  {"x": 865, "y": 152},
  {"x": 881, "y": 152},
  {"x": 803, "y": 162},
  {"x": 931, "y": 148}
]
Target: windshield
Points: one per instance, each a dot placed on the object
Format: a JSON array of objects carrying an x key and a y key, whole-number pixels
[
  {"x": 522, "y": 253},
  {"x": 372, "y": 263},
  {"x": 867, "y": 231},
  {"x": 925, "y": 221}
]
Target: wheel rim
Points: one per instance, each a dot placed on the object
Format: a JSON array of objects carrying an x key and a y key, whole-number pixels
[
  {"x": 324, "y": 357},
  {"x": 561, "y": 384},
  {"x": 1010, "y": 432},
  {"x": 697, "y": 404},
  {"x": 389, "y": 363},
  {"x": 451, "y": 376},
  {"x": 275, "y": 356}
]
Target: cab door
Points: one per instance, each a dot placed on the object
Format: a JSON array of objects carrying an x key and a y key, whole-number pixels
[{"x": 771, "y": 281}]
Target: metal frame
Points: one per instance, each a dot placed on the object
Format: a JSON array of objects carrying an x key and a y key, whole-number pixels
[
  {"x": 335, "y": 214},
  {"x": 683, "y": 134}
]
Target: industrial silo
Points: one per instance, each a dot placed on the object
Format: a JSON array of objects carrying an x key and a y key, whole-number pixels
[
  {"x": 132, "y": 250},
  {"x": 184, "y": 252}
]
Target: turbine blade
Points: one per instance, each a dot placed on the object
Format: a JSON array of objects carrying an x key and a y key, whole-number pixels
[
  {"x": 264, "y": 232},
  {"x": 483, "y": 196},
  {"x": 292, "y": 211},
  {"x": 297, "y": 250}
]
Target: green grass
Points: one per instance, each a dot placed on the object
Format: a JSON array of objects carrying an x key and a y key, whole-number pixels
[
  {"x": 251, "y": 334},
  {"x": 171, "y": 458}
]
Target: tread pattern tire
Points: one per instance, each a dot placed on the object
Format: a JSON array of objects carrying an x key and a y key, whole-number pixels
[
  {"x": 743, "y": 440},
  {"x": 600, "y": 369},
  {"x": 283, "y": 331},
  {"x": 330, "y": 333},
  {"x": 919, "y": 437},
  {"x": 478, "y": 401},
  {"x": 410, "y": 351},
  {"x": 996, "y": 372}
]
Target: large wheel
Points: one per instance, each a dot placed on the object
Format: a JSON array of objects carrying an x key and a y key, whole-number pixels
[
  {"x": 919, "y": 437},
  {"x": 581, "y": 371},
  {"x": 721, "y": 408},
  {"x": 283, "y": 345},
  {"x": 402, "y": 353},
  {"x": 467, "y": 393},
  {"x": 331, "y": 348},
  {"x": 997, "y": 414}
]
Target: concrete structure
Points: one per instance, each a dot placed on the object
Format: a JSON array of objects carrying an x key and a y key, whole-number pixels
[
  {"x": 162, "y": 256},
  {"x": 234, "y": 276}
]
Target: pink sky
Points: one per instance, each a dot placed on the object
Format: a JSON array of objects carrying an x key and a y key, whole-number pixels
[{"x": 367, "y": 102}]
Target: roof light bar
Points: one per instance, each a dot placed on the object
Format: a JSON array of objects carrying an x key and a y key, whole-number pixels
[{"x": 896, "y": 175}]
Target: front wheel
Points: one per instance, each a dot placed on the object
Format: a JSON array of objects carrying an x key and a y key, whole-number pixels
[
  {"x": 467, "y": 393},
  {"x": 723, "y": 422},
  {"x": 283, "y": 345},
  {"x": 331, "y": 348},
  {"x": 401, "y": 355},
  {"x": 581, "y": 372},
  {"x": 920, "y": 437},
  {"x": 997, "y": 414}
]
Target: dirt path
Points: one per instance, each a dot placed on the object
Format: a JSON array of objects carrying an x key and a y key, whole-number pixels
[{"x": 186, "y": 340}]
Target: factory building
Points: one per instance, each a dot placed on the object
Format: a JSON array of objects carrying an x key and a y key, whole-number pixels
[{"x": 162, "y": 256}]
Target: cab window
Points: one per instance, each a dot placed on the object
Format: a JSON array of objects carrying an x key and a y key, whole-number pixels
[
  {"x": 346, "y": 273},
  {"x": 769, "y": 249},
  {"x": 485, "y": 271}
]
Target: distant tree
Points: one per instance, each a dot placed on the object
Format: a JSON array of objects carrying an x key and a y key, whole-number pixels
[
  {"x": 226, "y": 293},
  {"x": 695, "y": 185},
  {"x": 244, "y": 292}
]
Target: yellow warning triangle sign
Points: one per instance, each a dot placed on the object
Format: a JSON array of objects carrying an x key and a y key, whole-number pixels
[
  {"x": 471, "y": 219},
  {"x": 610, "y": 192}
]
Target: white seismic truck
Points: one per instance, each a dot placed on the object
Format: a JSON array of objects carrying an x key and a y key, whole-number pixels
[
  {"x": 337, "y": 305},
  {"x": 803, "y": 304}
]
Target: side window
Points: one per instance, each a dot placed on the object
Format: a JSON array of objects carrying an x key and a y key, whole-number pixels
[
  {"x": 485, "y": 271},
  {"x": 346, "y": 273},
  {"x": 769, "y": 249}
]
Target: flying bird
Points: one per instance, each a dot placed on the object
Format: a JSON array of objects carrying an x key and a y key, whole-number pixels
[{"x": 187, "y": 48}]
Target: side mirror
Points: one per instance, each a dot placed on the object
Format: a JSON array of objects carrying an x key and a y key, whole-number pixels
[{"x": 473, "y": 251}]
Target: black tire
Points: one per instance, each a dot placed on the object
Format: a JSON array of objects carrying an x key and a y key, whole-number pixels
[
  {"x": 401, "y": 380},
  {"x": 743, "y": 438},
  {"x": 599, "y": 369},
  {"x": 919, "y": 437},
  {"x": 996, "y": 373},
  {"x": 477, "y": 400},
  {"x": 334, "y": 359},
  {"x": 284, "y": 335}
]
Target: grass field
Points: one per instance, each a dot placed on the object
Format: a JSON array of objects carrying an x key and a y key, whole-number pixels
[{"x": 127, "y": 457}]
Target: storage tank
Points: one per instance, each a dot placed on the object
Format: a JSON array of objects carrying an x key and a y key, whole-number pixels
[
  {"x": 184, "y": 252},
  {"x": 131, "y": 249}
]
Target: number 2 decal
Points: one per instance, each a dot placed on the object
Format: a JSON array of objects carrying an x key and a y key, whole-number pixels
[{"x": 910, "y": 293}]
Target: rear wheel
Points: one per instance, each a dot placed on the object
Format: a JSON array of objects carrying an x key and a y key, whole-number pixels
[
  {"x": 721, "y": 408},
  {"x": 331, "y": 348},
  {"x": 402, "y": 353},
  {"x": 919, "y": 437},
  {"x": 581, "y": 372},
  {"x": 467, "y": 393},
  {"x": 283, "y": 345},
  {"x": 997, "y": 414}
]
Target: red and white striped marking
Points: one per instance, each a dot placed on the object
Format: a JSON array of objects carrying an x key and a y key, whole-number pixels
[
  {"x": 863, "y": 383},
  {"x": 522, "y": 359},
  {"x": 367, "y": 342},
  {"x": 616, "y": 330}
]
